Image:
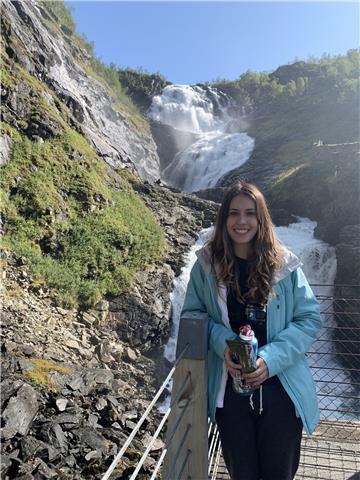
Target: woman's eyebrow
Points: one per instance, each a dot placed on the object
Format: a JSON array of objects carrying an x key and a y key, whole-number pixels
[{"x": 239, "y": 209}]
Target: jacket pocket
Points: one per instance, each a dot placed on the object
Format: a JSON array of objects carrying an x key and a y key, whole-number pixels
[{"x": 276, "y": 317}]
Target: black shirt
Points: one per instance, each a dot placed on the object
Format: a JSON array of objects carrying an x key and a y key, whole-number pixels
[{"x": 237, "y": 310}]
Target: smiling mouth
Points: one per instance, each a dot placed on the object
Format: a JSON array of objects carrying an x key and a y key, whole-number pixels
[{"x": 242, "y": 231}]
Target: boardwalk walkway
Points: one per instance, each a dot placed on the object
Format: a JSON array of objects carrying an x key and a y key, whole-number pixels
[{"x": 322, "y": 459}]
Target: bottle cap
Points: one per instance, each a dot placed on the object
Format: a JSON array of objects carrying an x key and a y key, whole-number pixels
[{"x": 246, "y": 333}]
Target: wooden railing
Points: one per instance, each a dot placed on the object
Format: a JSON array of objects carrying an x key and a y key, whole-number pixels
[{"x": 187, "y": 434}]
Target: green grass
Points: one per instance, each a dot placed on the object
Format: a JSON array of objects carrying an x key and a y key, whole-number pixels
[
  {"x": 81, "y": 227},
  {"x": 82, "y": 237}
]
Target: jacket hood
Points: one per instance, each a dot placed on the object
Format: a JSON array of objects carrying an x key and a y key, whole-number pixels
[{"x": 289, "y": 262}]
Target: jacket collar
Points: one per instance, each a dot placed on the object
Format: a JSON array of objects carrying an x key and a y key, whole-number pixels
[{"x": 289, "y": 262}]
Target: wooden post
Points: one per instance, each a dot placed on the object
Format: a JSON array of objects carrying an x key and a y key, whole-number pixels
[{"x": 187, "y": 439}]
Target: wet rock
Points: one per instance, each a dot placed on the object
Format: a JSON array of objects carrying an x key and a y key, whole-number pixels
[
  {"x": 348, "y": 265},
  {"x": 20, "y": 412},
  {"x": 350, "y": 235},
  {"x": 282, "y": 217},
  {"x": 328, "y": 231}
]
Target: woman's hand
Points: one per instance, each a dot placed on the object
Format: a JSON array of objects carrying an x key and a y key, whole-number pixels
[
  {"x": 256, "y": 378},
  {"x": 234, "y": 368}
]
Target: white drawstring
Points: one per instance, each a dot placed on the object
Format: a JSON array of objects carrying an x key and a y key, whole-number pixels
[
  {"x": 260, "y": 400},
  {"x": 251, "y": 401}
]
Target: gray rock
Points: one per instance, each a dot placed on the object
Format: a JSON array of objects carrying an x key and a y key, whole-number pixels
[
  {"x": 88, "y": 436},
  {"x": 67, "y": 420},
  {"x": 26, "y": 476},
  {"x": 42, "y": 469},
  {"x": 52, "y": 434},
  {"x": 131, "y": 355},
  {"x": 103, "y": 351},
  {"x": 31, "y": 447},
  {"x": 5, "y": 463},
  {"x": 91, "y": 381},
  {"x": 8, "y": 388},
  {"x": 93, "y": 420},
  {"x": 60, "y": 437},
  {"x": 93, "y": 454},
  {"x": 101, "y": 404},
  {"x": 20, "y": 412},
  {"x": 129, "y": 415},
  {"x": 5, "y": 149},
  {"x": 61, "y": 404}
]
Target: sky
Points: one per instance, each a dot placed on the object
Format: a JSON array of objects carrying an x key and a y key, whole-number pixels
[{"x": 192, "y": 42}]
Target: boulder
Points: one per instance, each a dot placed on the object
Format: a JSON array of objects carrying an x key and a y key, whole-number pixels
[{"x": 20, "y": 412}]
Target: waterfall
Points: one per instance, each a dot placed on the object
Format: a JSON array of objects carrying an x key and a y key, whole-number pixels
[
  {"x": 178, "y": 294},
  {"x": 205, "y": 112}
]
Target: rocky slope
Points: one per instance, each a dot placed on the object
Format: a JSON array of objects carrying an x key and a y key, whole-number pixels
[{"x": 75, "y": 382}]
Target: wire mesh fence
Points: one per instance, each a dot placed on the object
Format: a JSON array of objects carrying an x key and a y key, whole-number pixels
[
  {"x": 335, "y": 359},
  {"x": 333, "y": 451}
]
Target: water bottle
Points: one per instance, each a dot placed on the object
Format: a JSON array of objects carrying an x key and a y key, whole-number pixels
[{"x": 243, "y": 351}]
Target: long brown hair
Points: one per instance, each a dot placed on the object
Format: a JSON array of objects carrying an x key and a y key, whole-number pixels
[{"x": 266, "y": 249}]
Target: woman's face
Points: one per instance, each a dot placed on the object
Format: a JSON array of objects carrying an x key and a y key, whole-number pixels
[{"x": 242, "y": 224}]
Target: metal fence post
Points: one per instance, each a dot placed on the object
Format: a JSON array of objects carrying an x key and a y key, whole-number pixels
[{"x": 187, "y": 438}]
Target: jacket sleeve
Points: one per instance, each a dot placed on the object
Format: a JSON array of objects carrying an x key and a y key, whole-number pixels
[
  {"x": 289, "y": 345},
  {"x": 194, "y": 302}
]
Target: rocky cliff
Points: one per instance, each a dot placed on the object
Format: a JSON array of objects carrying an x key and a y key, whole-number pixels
[
  {"x": 36, "y": 41},
  {"x": 90, "y": 250}
]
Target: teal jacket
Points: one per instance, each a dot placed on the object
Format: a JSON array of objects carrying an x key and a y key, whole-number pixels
[{"x": 293, "y": 321}]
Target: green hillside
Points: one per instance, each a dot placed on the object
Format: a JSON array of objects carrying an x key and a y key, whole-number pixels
[
  {"x": 289, "y": 111},
  {"x": 79, "y": 226}
]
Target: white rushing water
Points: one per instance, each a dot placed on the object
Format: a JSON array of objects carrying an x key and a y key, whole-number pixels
[{"x": 203, "y": 111}]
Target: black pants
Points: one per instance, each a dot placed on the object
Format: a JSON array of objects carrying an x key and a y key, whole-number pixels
[{"x": 260, "y": 446}]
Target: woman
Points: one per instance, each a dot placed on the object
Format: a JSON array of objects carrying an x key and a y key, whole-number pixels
[{"x": 244, "y": 266}]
